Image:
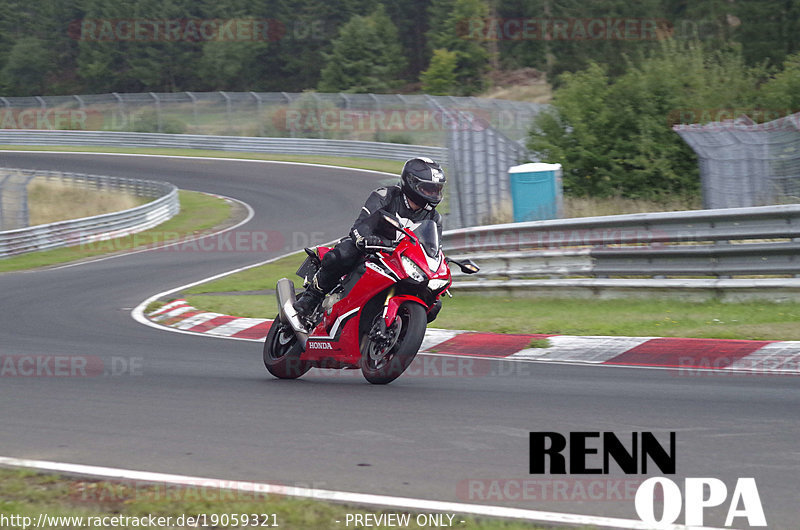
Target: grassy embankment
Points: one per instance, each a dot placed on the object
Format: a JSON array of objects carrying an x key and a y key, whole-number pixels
[
  {"x": 29, "y": 494},
  {"x": 50, "y": 201},
  {"x": 199, "y": 213}
]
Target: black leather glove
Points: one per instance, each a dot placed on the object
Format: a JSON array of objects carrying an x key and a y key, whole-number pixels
[{"x": 371, "y": 241}]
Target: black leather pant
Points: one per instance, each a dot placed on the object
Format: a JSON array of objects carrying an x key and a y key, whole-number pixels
[{"x": 341, "y": 260}]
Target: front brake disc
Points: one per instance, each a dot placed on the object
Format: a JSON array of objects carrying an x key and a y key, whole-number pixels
[{"x": 379, "y": 351}]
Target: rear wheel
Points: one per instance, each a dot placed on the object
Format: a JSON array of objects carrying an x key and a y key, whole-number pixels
[
  {"x": 385, "y": 358},
  {"x": 282, "y": 352}
]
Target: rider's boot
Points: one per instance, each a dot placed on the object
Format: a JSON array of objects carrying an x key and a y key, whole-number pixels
[{"x": 309, "y": 300}]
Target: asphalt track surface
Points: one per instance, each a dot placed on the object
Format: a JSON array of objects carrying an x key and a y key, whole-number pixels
[{"x": 206, "y": 407}]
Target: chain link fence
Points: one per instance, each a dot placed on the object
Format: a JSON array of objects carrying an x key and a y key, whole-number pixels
[
  {"x": 14, "y": 198},
  {"x": 395, "y": 118},
  {"x": 482, "y": 137},
  {"x": 479, "y": 159},
  {"x": 747, "y": 164}
]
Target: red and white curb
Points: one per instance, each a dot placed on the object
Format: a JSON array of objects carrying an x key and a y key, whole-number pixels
[{"x": 766, "y": 357}]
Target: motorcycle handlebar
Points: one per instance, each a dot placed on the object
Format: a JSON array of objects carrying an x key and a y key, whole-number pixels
[{"x": 376, "y": 248}]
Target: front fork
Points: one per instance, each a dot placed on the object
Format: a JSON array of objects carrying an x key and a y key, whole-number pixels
[
  {"x": 393, "y": 303},
  {"x": 385, "y": 322}
]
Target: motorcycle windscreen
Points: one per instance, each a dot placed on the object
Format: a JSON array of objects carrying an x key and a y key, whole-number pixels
[
  {"x": 375, "y": 224},
  {"x": 428, "y": 234}
]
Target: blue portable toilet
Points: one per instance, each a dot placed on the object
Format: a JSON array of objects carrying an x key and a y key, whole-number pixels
[{"x": 536, "y": 191}]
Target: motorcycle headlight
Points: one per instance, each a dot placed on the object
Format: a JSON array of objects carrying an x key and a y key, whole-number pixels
[
  {"x": 437, "y": 285},
  {"x": 413, "y": 270}
]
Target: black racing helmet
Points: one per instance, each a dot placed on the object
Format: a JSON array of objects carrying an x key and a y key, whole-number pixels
[{"x": 423, "y": 181}]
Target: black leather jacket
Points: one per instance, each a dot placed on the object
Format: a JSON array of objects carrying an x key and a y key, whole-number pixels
[{"x": 390, "y": 199}]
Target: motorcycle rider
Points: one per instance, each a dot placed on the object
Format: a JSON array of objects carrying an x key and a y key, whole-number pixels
[{"x": 412, "y": 201}]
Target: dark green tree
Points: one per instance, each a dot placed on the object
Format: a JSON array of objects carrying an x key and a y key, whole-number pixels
[
  {"x": 440, "y": 78},
  {"x": 450, "y": 21},
  {"x": 782, "y": 92},
  {"x": 366, "y": 56},
  {"x": 614, "y": 135},
  {"x": 27, "y": 67},
  {"x": 411, "y": 30}
]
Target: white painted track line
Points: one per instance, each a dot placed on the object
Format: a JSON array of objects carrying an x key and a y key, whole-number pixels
[{"x": 361, "y": 499}]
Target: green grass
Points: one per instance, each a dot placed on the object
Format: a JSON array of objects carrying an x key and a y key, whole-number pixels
[
  {"x": 252, "y": 306},
  {"x": 199, "y": 213},
  {"x": 755, "y": 320},
  {"x": 28, "y": 494},
  {"x": 626, "y": 317},
  {"x": 389, "y": 166},
  {"x": 257, "y": 278}
]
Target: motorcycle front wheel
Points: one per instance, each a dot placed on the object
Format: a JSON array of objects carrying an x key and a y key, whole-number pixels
[
  {"x": 383, "y": 361},
  {"x": 282, "y": 352}
]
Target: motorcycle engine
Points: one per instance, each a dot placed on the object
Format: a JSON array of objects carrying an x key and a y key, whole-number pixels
[{"x": 330, "y": 301}]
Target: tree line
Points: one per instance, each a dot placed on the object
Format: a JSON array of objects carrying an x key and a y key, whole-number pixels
[
  {"x": 614, "y": 134},
  {"x": 53, "y": 47}
]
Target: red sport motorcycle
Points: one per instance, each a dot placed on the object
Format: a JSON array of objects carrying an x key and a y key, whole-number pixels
[{"x": 375, "y": 318}]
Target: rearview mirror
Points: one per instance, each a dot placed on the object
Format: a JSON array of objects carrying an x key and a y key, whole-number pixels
[{"x": 469, "y": 267}]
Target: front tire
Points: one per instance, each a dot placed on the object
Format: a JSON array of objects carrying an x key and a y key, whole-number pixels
[
  {"x": 282, "y": 352},
  {"x": 383, "y": 365}
]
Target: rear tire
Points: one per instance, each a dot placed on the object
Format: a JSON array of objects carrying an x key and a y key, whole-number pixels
[
  {"x": 411, "y": 319},
  {"x": 282, "y": 352}
]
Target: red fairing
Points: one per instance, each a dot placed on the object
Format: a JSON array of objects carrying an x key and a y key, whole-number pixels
[
  {"x": 337, "y": 339},
  {"x": 394, "y": 304},
  {"x": 337, "y": 334}
]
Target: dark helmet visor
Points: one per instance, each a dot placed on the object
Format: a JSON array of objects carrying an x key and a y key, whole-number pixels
[{"x": 431, "y": 191}]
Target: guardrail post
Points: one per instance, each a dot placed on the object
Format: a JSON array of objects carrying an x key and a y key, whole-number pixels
[
  {"x": 26, "y": 214},
  {"x": 194, "y": 107},
  {"x": 158, "y": 111},
  {"x": 3, "y": 179},
  {"x": 378, "y": 135},
  {"x": 259, "y": 115},
  {"x": 121, "y": 109},
  {"x": 228, "y": 110}
]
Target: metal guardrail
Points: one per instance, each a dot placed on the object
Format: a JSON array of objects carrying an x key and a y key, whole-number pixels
[
  {"x": 100, "y": 227},
  {"x": 298, "y": 146},
  {"x": 758, "y": 241}
]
